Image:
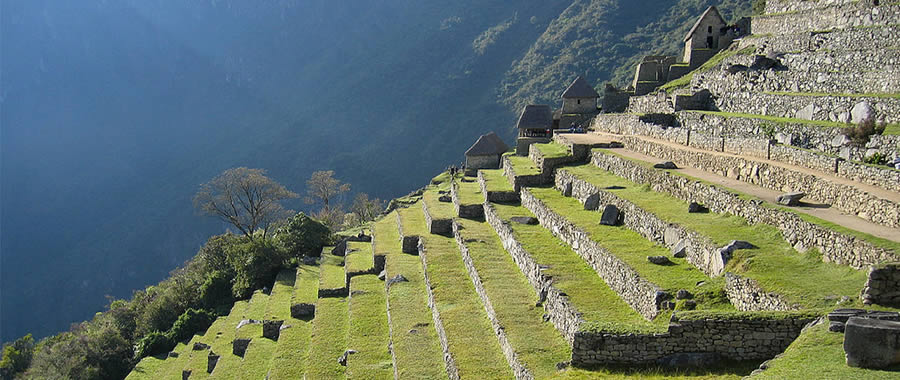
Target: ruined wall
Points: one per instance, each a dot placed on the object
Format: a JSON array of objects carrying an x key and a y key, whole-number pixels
[
  {"x": 783, "y": 6},
  {"x": 883, "y": 285},
  {"x": 746, "y": 295},
  {"x": 799, "y": 107},
  {"x": 659, "y": 102}
]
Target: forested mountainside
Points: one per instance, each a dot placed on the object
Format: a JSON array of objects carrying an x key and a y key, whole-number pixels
[{"x": 115, "y": 111}]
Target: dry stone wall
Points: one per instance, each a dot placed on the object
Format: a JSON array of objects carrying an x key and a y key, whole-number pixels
[
  {"x": 859, "y": 39},
  {"x": 746, "y": 338},
  {"x": 408, "y": 243},
  {"x": 496, "y": 196},
  {"x": 642, "y": 295},
  {"x": 520, "y": 371},
  {"x": 474, "y": 211},
  {"x": 520, "y": 181},
  {"x": 784, "y": 6},
  {"x": 746, "y": 295},
  {"x": 835, "y": 247},
  {"x": 438, "y": 226},
  {"x": 841, "y": 16},
  {"x": 659, "y": 102},
  {"x": 883, "y": 285},
  {"x": 449, "y": 362},
  {"x": 828, "y": 108}
]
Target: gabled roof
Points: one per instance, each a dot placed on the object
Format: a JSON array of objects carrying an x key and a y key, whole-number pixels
[
  {"x": 710, "y": 12},
  {"x": 580, "y": 89},
  {"x": 535, "y": 116},
  {"x": 487, "y": 145}
]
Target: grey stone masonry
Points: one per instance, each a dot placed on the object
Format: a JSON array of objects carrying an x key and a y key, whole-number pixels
[
  {"x": 520, "y": 371},
  {"x": 642, "y": 295},
  {"x": 519, "y": 181},
  {"x": 826, "y": 108},
  {"x": 844, "y": 197},
  {"x": 883, "y": 285},
  {"x": 496, "y": 196},
  {"x": 437, "y": 226},
  {"x": 838, "y": 16},
  {"x": 735, "y": 338},
  {"x": 784, "y": 6},
  {"x": 474, "y": 211},
  {"x": 560, "y": 312},
  {"x": 659, "y": 102},
  {"x": 858, "y": 39},
  {"x": 746, "y": 295},
  {"x": 449, "y": 362},
  {"x": 409, "y": 243},
  {"x": 835, "y": 246}
]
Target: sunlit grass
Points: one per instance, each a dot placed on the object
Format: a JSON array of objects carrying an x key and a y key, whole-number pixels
[{"x": 368, "y": 330}]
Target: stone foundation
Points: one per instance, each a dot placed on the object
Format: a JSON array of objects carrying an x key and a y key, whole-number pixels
[{"x": 883, "y": 285}]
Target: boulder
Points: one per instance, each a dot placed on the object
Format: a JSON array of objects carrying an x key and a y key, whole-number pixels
[
  {"x": 790, "y": 199},
  {"x": 860, "y": 112},
  {"x": 530, "y": 220},
  {"x": 839, "y": 317},
  {"x": 610, "y": 216},
  {"x": 172, "y": 354},
  {"x": 340, "y": 248},
  {"x": 239, "y": 346},
  {"x": 303, "y": 310},
  {"x": 592, "y": 202},
  {"x": 784, "y": 138},
  {"x": 272, "y": 329},
  {"x": 567, "y": 190},
  {"x": 666, "y": 165},
  {"x": 659, "y": 260},
  {"x": 695, "y": 208},
  {"x": 211, "y": 360},
  {"x": 680, "y": 249},
  {"x": 839, "y": 141},
  {"x": 396, "y": 279},
  {"x": 199, "y": 346},
  {"x": 445, "y": 198},
  {"x": 871, "y": 343},
  {"x": 683, "y": 294},
  {"x": 807, "y": 113}
]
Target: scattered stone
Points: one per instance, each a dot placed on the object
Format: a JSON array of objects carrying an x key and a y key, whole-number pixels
[
  {"x": 614, "y": 187},
  {"x": 396, "y": 279},
  {"x": 245, "y": 322},
  {"x": 172, "y": 354},
  {"x": 610, "y": 216},
  {"x": 695, "y": 207},
  {"x": 211, "y": 360},
  {"x": 666, "y": 165},
  {"x": 343, "y": 359},
  {"x": 835, "y": 326},
  {"x": 807, "y": 113},
  {"x": 592, "y": 202},
  {"x": 872, "y": 343},
  {"x": 734, "y": 69},
  {"x": 683, "y": 294},
  {"x": 659, "y": 260},
  {"x": 239, "y": 346},
  {"x": 790, "y": 199},
  {"x": 303, "y": 310},
  {"x": 340, "y": 248},
  {"x": 740, "y": 244},
  {"x": 761, "y": 62},
  {"x": 562, "y": 365},
  {"x": 784, "y": 138},
  {"x": 840, "y": 140},
  {"x": 530, "y": 220},
  {"x": 680, "y": 250},
  {"x": 382, "y": 275},
  {"x": 272, "y": 329},
  {"x": 199, "y": 346},
  {"x": 445, "y": 198},
  {"x": 309, "y": 260},
  {"x": 860, "y": 112}
]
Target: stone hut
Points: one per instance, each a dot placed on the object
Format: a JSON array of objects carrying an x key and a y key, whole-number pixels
[
  {"x": 579, "y": 98},
  {"x": 708, "y": 35},
  {"x": 535, "y": 126},
  {"x": 486, "y": 152}
]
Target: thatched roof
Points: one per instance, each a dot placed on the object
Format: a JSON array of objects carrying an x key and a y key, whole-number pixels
[
  {"x": 710, "y": 12},
  {"x": 580, "y": 89},
  {"x": 535, "y": 116},
  {"x": 487, "y": 145}
]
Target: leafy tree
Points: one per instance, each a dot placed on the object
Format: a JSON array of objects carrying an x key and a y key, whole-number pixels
[
  {"x": 303, "y": 235},
  {"x": 366, "y": 209},
  {"x": 153, "y": 344},
  {"x": 322, "y": 187},
  {"x": 16, "y": 357},
  {"x": 216, "y": 290},
  {"x": 190, "y": 323},
  {"x": 255, "y": 264},
  {"x": 244, "y": 197}
]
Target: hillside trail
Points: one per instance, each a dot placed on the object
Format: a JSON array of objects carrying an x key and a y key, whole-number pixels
[{"x": 819, "y": 210}]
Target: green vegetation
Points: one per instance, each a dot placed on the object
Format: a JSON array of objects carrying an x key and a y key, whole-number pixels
[
  {"x": 774, "y": 264},
  {"x": 469, "y": 334},
  {"x": 633, "y": 249},
  {"x": 821, "y": 352},
  {"x": 418, "y": 354},
  {"x": 522, "y": 165},
  {"x": 727, "y": 371},
  {"x": 537, "y": 343},
  {"x": 332, "y": 274},
  {"x": 328, "y": 339},
  {"x": 711, "y": 63},
  {"x": 438, "y": 209},
  {"x": 494, "y": 180},
  {"x": 776, "y": 119},
  {"x": 303, "y": 236},
  {"x": 469, "y": 193},
  {"x": 598, "y": 304},
  {"x": 553, "y": 150},
  {"x": 360, "y": 259},
  {"x": 368, "y": 330},
  {"x": 290, "y": 356}
]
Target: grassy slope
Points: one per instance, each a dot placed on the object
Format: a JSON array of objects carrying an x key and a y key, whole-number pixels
[
  {"x": 361, "y": 257},
  {"x": 471, "y": 340},
  {"x": 469, "y": 193},
  {"x": 331, "y": 274},
  {"x": 633, "y": 249},
  {"x": 415, "y": 342},
  {"x": 495, "y": 180},
  {"x": 537, "y": 343},
  {"x": 219, "y": 340},
  {"x": 775, "y": 264},
  {"x": 552, "y": 150},
  {"x": 438, "y": 209},
  {"x": 290, "y": 356},
  {"x": 523, "y": 165},
  {"x": 368, "y": 331},
  {"x": 328, "y": 340}
]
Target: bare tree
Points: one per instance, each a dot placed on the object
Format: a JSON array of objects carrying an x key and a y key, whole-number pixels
[
  {"x": 366, "y": 209},
  {"x": 322, "y": 187},
  {"x": 246, "y": 198}
]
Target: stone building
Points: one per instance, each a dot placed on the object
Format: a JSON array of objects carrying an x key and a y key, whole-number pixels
[
  {"x": 535, "y": 126},
  {"x": 708, "y": 35},
  {"x": 579, "y": 104},
  {"x": 486, "y": 152}
]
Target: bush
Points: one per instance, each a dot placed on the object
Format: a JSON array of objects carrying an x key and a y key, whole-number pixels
[
  {"x": 153, "y": 344},
  {"x": 303, "y": 235},
  {"x": 255, "y": 264},
  {"x": 216, "y": 290},
  {"x": 859, "y": 135},
  {"x": 16, "y": 356},
  {"x": 189, "y": 323}
]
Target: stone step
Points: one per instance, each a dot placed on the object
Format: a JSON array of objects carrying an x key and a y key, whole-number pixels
[
  {"x": 533, "y": 348},
  {"x": 415, "y": 346},
  {"x": 289, "y": 361},
  {"x": 368, "y": 332},
  {"x": 839, "y": 16},
  {"x": 458, "y": 313}
]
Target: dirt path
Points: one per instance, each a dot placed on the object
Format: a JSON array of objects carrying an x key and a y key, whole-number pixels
[{"x": 821, "y": 211}]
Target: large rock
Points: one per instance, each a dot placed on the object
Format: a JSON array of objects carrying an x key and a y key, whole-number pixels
[
  {"x": 839, "y": 317},
  {"x": 592, "y": 202},
  {"x": 790, "y": 199},
  {"x": 530, "y": 220},
  {"x": 872, "y": 343},
  {"x": 666, "y": 165},
  {"x": 303, "y": 310},
  {"x": 807, "y": 113},
  {"x": 610, "y": 216},
  {"x": 695, "y": 208},
  {"x": 659, "y": 260},
  {"x": 680, "y": 249},
  {"x": 239, "y": 346},
  {"x": 211, "y": 360},
  {"x": 860, "y": 112},
  {"x": 272, "y": 329}
]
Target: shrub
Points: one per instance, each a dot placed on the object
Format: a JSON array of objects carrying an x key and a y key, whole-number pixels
[
  {"x": 255, "y": 264},
  {"x": 16, "y": 356},
  {"x": 216, "y": 290},
  {"x": 859, "y": 135},
  {"x": 189, "y": 323},
  {"x": 303, "y": 235},
  {"x": 152, "y": 344}
]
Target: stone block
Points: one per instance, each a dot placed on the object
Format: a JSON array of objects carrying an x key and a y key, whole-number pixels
[
  {"x": 860, "y": 112},
  {"x": 272, "y": 329},
  {"x": 790, "y": 199},
  {"x": 665, "y": 165},
  {"x": 695, "y": 208},
  {"x": 186, "y": 374},
  {"x": 303, "y": 310},
  {"x": 871, "y": 343},
  {"x": 659, "y": 260},
  {"x": 530, "y": 220},
  {"x": 592, "y": 202},
  {"x": 340, "y": 248},
  {"x": 211, "y": 360},
  {"x": 239, "y": 346},
  {"x": 610, "y": 216}
]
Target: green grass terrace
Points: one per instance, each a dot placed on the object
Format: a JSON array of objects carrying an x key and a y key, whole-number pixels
[
  {"x": 522, "y": 165},
  {"x": 368, "y": 330},
  {"x": 552, "y": 150},
  {"x": 469, "y": 193},
  {"x": 494, "y": 180}
]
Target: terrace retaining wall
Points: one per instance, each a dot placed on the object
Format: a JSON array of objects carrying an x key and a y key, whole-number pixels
[
  {"x": 496, "y": 196},
  {"x": 436, "y": 226},
  {"x": 449, "y": 362}
]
